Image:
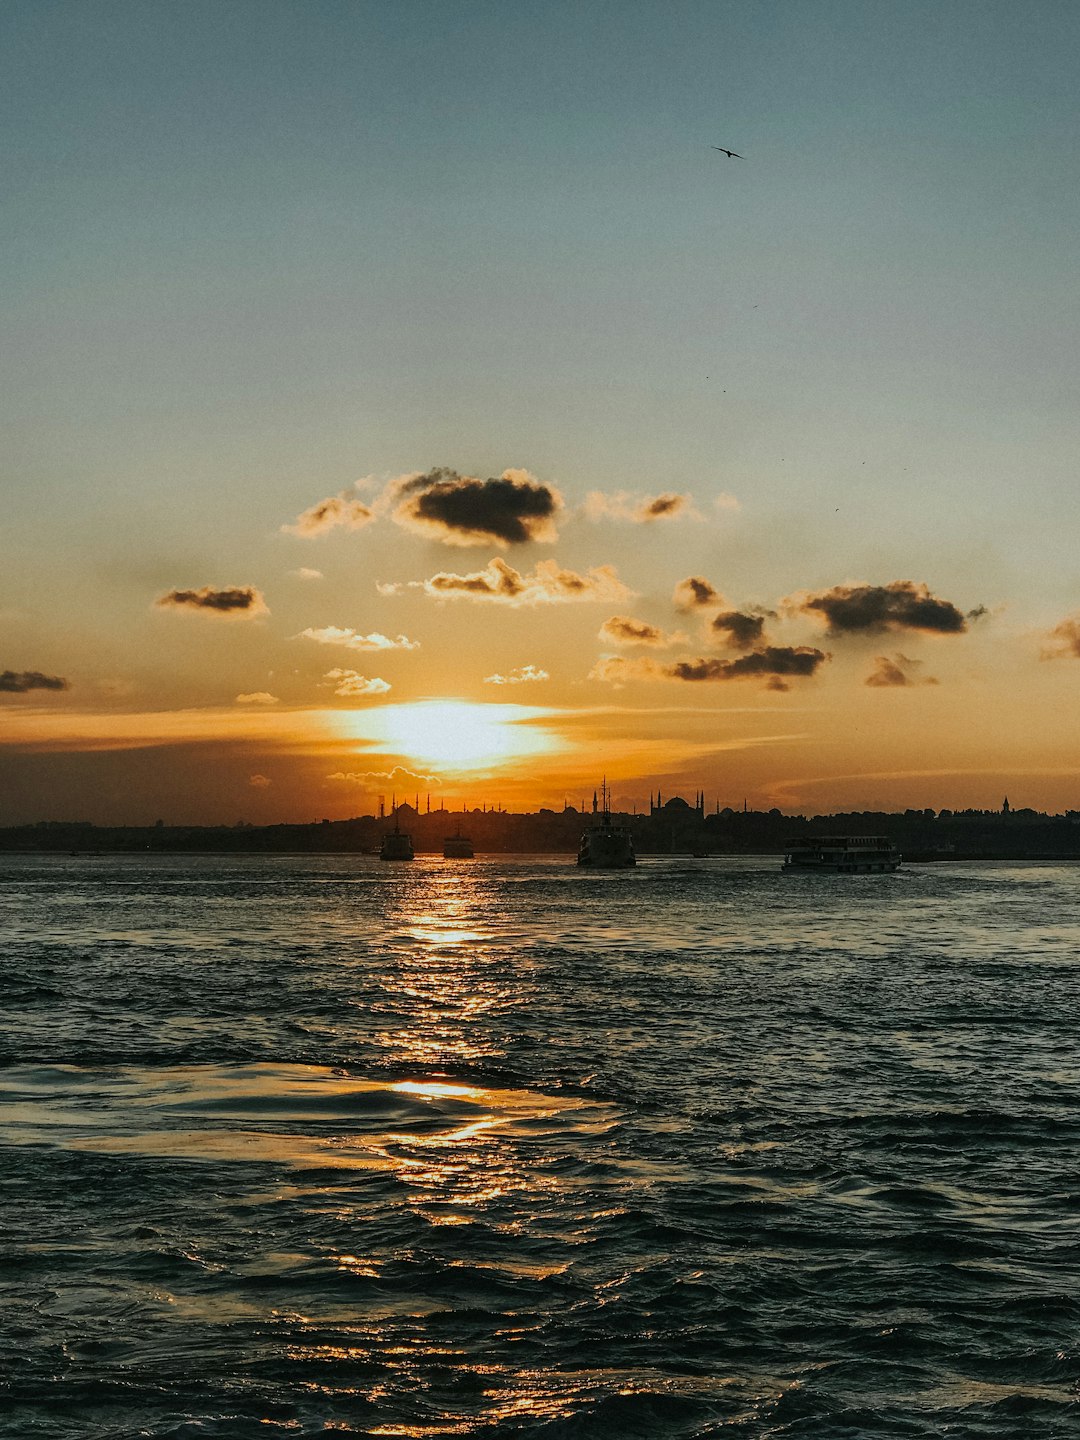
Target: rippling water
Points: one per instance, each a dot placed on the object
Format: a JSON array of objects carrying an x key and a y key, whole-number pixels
[{"x": 307, "y": 1146}]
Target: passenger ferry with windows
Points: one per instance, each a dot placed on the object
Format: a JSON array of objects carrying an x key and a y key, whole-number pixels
[
  {"x": 843, "y": 855},
  {"x": 606, "y": 845}
]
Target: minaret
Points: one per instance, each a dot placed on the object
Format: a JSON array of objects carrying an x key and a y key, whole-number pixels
[{"x": 1005, "y": 806}]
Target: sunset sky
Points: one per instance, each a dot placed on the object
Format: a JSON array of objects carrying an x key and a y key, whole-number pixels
[{"x": 406, "y": 397}]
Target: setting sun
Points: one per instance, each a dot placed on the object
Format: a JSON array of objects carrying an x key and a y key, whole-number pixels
[{"x": 456, "y": 734}]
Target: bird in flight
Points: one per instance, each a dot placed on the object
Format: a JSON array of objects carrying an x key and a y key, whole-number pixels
[{"x": 729, "y": 153}]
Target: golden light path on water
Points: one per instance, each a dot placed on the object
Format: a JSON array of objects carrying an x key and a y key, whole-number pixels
[{"x": 454, "y": 734}]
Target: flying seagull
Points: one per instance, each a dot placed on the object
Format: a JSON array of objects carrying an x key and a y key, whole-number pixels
[{"x": 729, "y": 153}]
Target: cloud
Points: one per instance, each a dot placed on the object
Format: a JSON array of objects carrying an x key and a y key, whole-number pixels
[
  {"x": 891, "y": 673},
  {"x": 463, "y": 510},
  {"x": 260, "y": 782},
  {"x": 344, "y": 510},
  {"x": 740, "y": 629},
  {"x": 257, "y": 697},
  {"x": 624, "y": 630},
  {"x": 870, "y": 609},
  {"x": 637, "y": 509},
  {"x": 306, "y": 573},
  {"x": 773, "y": 664},
  {"x": 348, "y": 682},
  {"x": 1063, "y": 642},
  {"x": 18, "y": 682},
  {"x": 397, "y": 776},
  {"x": 498, "y": 581},
  {"x": 522, "y": 675},
  {"x": 353, "y": 640},
  {"x": 694, "y": 593},
  {"x": 236, "y": 601},
  {"x": 724, "y": 501}
]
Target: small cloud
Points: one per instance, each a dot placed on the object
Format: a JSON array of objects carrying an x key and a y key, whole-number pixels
[
  {"x": 19, "y": 682},
  {"x": 353, "y": 640},
  {"x": 343, "y": 510},
  {"x": 871, "y": 609},
  {"x": 547, "y": 585},
  {"x": 624, "y": 630},
  {"x": 639, "y": 510},
  {"x": 774, "y": 665},
  {"x": 463, "y": 510},
  {"x": 260, "y": 782},
  {"x": 349, "y": 683},
  {"x": 724, "y": 501},
  {"x": 893, "y": 672},
  {"x": 522, "y": 675},
  {"x": 1063, "y": 642},
  {"x": 257, "y": 697},
  {"x": 694, "y": 593},
  {"x": 740, "y": 629},
  {"x": 305, "y": 572},
  {"x": 236, "y": 601}
]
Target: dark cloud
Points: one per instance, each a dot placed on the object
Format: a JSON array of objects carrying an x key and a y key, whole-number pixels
[
  {"x": 623, "y": 630},
  {"x": 18, "y": 682},
  {"x": 901, "y": 605},
  {"x": 893, "y": 672},
  {"x": 742, "y": 631},
  {"x": 694, "y": 593},
  {"x": 234, "y": 600},
  {"x": 773, "y": 664},
  {"x": 548, "y": 584},
  {"x": 462, "y": 510},
  {"x": 663, "y": 507},
  {"x": 771, "y": 660}
]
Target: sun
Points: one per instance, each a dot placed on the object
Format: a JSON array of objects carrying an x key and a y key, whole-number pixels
[{"x": 456, "y": 734}]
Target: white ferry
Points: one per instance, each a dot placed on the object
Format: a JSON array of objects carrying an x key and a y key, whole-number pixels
[
  {"x": 606, "y": 845},
  {"x": 844, "y": 854}
]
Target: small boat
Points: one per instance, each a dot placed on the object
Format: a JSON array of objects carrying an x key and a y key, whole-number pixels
[
  {"x": 843, "y": 855},
  {"x": 396, "y": 844},
  {"x": 606, "y": 845}
]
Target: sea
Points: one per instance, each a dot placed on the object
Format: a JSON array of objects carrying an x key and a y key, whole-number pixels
[{"x": 320, "y": 1146}]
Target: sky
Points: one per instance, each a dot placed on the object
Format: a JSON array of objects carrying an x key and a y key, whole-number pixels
[{"x": 378, "y": 378}]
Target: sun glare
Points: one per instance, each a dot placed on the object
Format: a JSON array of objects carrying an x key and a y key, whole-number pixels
[{"x": 456, "y": 734}]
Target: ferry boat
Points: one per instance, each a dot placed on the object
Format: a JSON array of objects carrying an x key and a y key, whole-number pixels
[
  {"x": 457, "y": 846},
  {"x": 396, "y": 844},
  {"x": 606, "y": 845},
  {"x": 843, "y": 854}
]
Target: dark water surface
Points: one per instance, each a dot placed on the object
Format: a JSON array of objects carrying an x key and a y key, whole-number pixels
[{"x": 318, "y": 1146}]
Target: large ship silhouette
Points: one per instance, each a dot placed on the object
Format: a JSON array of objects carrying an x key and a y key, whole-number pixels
[{"x": 606, "y": 845}]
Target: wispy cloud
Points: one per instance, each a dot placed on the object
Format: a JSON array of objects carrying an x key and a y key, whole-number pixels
[
  {"x": 548, "y": 584},
  {"x": 232, "y": 602},
  {"x": 637, "y": 509},
  {"x": 353, "y": 640},
  {"x": 522, "y": 675},
  {"x": 1063, "y": 642},
  {"x": 514, "y": 508},
  {"x": 260, "y": 782},
  {"x": 257, "y": 697},
  {"x": 625, "y": 630},
  {"x": 896, "y": 671},
  {"x": 19, "y": 682},
  {"x": 343, "y": 510},
  {"x": 349, "y": 683},
  {"x": 305, "y": 572}
]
